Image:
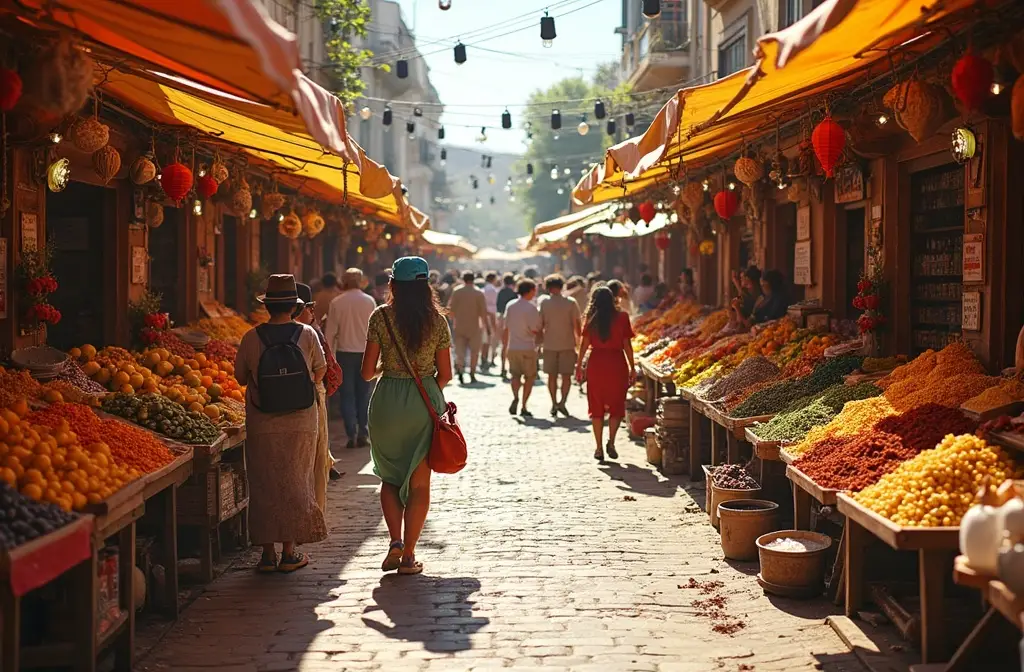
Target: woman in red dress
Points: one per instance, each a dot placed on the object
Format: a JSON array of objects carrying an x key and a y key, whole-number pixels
[{"x": 610, "y": 371}]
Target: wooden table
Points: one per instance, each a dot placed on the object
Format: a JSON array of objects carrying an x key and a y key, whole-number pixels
[
  {"x": 766, "y": 450},
  {"x": 656, "y": 384},
  {"x": 161, "y": 492},
  {"x": 935, "y": 547},
  {"x": 697, "y": 444},
  {"x": 805, "y": 490}
]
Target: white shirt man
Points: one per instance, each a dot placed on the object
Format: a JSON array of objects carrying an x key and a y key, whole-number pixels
[
  {"x": 348, "y": 320},
  {"x": 490, "y": 348}
]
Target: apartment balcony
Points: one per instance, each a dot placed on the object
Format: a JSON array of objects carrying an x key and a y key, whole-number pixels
[{"x": 658, "y": 55}]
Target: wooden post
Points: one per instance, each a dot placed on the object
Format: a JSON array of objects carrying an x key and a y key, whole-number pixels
[
  {"x": 125, "y": 644},
  {"x": 801, "y": 508},
  {"x": 10, "y": 638},
  {"x": 695, "y": 444},
  {"x": 169, "y": 502},
  {"x": 933, "y": 569},
  {"x": 856, "y": 539},
  {"x": 732, "y": 448},
  {"x": 85, "y": 595}
]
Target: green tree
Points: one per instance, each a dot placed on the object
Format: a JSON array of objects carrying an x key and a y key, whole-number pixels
[
  {"x": 566, "y": 148},
  {"x": 343, "y": 21}
]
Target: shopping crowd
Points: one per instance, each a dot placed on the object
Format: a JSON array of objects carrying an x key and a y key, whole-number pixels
[{"x": 377, "y": 352}]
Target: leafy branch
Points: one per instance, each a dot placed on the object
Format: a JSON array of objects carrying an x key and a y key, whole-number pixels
[{"x": 344, "y": 21}]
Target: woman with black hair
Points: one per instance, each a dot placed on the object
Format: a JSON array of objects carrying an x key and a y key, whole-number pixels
[
  {"x": 610, "y": 371},
  {"x": 774, "y": 301},
  {"x": 408, "y": 332}
]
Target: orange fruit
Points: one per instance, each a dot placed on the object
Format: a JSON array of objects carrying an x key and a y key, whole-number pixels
[
  {"x": 20, "y": 407},
  {"x": 78, "y": 501},
  {"x": 126, "y": 389},
  {"x": 88, "y": 351},
  {"x": 42, "y": 463},
  {"x": 8, "y": 476},
  {"x": 136, "y": 380},
  {"x": 103, "y": 376},
  {"x": 32, "y": 491},
  {"x": 206, "y": 381}
]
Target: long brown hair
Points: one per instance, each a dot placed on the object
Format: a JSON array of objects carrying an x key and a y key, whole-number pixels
[
  {"x": 601, "y": 311},
  {"x": 415, "y": 308}
]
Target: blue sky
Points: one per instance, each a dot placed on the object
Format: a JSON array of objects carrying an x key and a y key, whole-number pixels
[{"x": 476, "y": 91}]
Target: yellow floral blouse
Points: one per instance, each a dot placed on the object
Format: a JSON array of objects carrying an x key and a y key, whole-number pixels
[{"x": 423, "y": 360}]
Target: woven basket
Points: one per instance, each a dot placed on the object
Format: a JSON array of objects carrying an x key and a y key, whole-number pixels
[
  {"x": 90, "y": 135},
  {"x": 241, "y": 198},
  {"x": 919, "y": 107},
  {"x": 271, "y": 203},
  {"x": 748, "y": 170},
  {"x": 154, "y": 214},
  {"x": 143, "y": 170},
  {"x": 693, "y": 195},
  {"x": 219, "y": 172},
  {"x": 106, "y": 161}
]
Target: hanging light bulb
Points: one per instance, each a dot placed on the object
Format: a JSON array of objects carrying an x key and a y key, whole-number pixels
[
  {"x": 252, "y": 214},
  {"x": 529, "y": 179},
  {"x": 440, "y": 133},
  {"x": 387, "y": 236},
  {"x": 556, "y": 120},
  {"x": 554, "y": 173},
  {"x": 706, "y": 184},
  {"x": 461, "y": 207},
  {"x": 583, "y": 127},
  {"x": 386, "y": 119},
  {"x": 630, "y": 119},
  {"x": 676, "y": 189},
  {"x": 652, "y": 9},
  {"x": 599, "y": 109},
  {"x": 402, "y": 68},
  {"x": 365, "y": 113},
  {"x": 460, "y": 53},
  {"x": 567, "y": 171},
  {"x": 583, "y": 171},
  {"x": 56, "y": 137},
  {"x": 280, "y": 217},
  {"x": 444, "y": 156},
  {"x": 511, "y": 198},
  {"x": 490, "y": 178},
  {"x": 506, "y": 119},
  {"x": 410, "y": 128},
  {"x": 483, "y": 134},
  {"x": 731, "y": 185},
  {"x": 547, "y": 30},
  {"x": 359, "y": 249},
  {"x": 197, "y": 207},
  {"x": 417, "y": 112},
  {"x": 479, "y": 204},
  {"x": 202, "y": 172},
  {"x": 610, "y": 127},
  {"x": 561, "y": 191},
  {"x": 996, "y": 88},
  {"x": 882, "y": 120},
  {"x": 444, "y": 5}
]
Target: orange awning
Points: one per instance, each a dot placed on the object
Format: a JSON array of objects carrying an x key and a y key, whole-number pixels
[{"x": 829, "y": 48}]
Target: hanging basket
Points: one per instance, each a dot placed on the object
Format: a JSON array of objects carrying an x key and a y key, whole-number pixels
[
  {"x": 90, "y": 135},
  {"x": 241, "y": 198},
  {"x": 143, "y": 170},
  {"x": 154, "y": 214},
  {"x": 917, "y": 106},
  {"x": 106, "y": 161},
  {"x": 312, "y": 223},
  {"x": 271, "y": 203},
  {"x": 219, "y": 172},
  {"x": 748, "y": 170},
  {"x": 828, "y": 139},
  {"x": 290, "y": 227},
  {"x": 693, "y": 196}
]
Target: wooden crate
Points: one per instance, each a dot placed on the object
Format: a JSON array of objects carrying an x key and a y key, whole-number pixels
[{"x": 208, "y": 496}]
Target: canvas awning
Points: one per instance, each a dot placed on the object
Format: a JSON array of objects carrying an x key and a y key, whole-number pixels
[
  {"x": 827, "y": 49},
  {"x": 448, "y": 243},
  {"x": 496, "y": 255},
  {"x": 628, "y": 229},
  {"x": 230, "y": 46},
  {"x": 561, "y": 228},
  {"x": 276, "y": 138}
]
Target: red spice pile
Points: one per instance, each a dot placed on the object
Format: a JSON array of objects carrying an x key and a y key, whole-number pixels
[{"x": 855, "y": 462}]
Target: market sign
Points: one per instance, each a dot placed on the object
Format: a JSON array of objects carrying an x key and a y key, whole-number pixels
[
  {"x": 974, "y": 257},
  {"x": 971, "y": 311},
  {"x": 849, "y": 183},
  {"x": 802, "y": 263}
]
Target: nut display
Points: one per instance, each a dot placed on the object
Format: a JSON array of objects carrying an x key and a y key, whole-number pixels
[{"x": 733, "y": 477}]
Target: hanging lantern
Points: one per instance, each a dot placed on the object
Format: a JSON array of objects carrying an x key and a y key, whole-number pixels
[
  {"x": 143, "y": 170},
  {"x": 917, "y": 106},
  {"x": 440, "y": 133},
  {"x": 748, "y": 170},
  {"x": 662, "y": 240},
  {"x": 726, "y": 203},
  {"x": 610, "y": 127},
  {"x": 646, "y": 211},
  {"x": 176, "y": 179},
  {"x": 386, "y": 117},
  {"x": 693, "y": 196},
  {"x": 556, "y": 120},
  {"x": 89, "y": 135},
  {"x": 599, "y": 111},
  {"x": 828, "y": 139},
  {"x": 290, "y": 226},
  {"x": 460, "y": 53},
  {"x": 10, "y": 89},
  {"x": 106, "y": 161},
  {"x": 241, "y": 197},
  {"x": 444, "y": 5},
  {"x": 630, "y": 119},
  {"x": 313, "y": 223},
  {"x": 972, "y": 80},
  {"x": 154, "y": 214},
  {"x": 633, "y": 214},
  {"x": 206, "y": 186},
  {"x": 652, "y": 9},
  {"x": 58, "y": 174},
  {"x": 271, "y": 203},
  {"x": 506, "y": 119},
  {"x": 547, "y": 30},
  {"x": 402, "y": 68},
  {"x": 219, "y": 171}
]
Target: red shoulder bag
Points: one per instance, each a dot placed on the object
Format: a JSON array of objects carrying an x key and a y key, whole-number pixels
[{"x": 448, "y": 450}]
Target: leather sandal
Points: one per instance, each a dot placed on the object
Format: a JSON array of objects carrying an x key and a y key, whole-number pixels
[
  {"x": 394, "y": 557},
  {"x": 415, "y": 568}
]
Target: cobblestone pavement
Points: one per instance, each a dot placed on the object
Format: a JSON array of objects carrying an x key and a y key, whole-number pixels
[{"x": 535, "y": 557}]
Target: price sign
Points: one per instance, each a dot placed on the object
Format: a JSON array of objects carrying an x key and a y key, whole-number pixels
[
  {"x": 29, "y": 231},
  {"x": 803, "y": 223},
  {"x": 974, "y": 257},
  {"x": 139, "y": 259},
  {"x": 802, "y": 263},
  {"x": 971, "y": 311}
]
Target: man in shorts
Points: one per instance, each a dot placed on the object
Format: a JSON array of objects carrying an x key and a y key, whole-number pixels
[
  {"x": 506, "y": 295},
  {"x": 469, "y": 310},
  {"x": 560, "y": 320},
  {"x": 522, "y": 326},
  {"x": 490, "y": 290}
]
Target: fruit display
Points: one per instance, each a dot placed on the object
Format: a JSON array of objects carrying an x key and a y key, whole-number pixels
[
  {"x": 733, "y": 477},
  {"x": 121, "y": 375},
  {"x": 56, "y": 391},
  {"x": 15, "y": 385},
  {"x": 23, "y": 519},
  {"x": 879, "y": 364},
  {"x": 220, "y": 351},
  {"x": 73, "y": 374},
  {"x": 162, "y": 415},
  {"x": 230, "y": 328},
  {"x": 856, "y": 416},
  {"x": 938, "y": 486},
  {"x": 777, "y": 397},
  {"x": 856, "y": 461},
  {"x": 172, "y": 342}
]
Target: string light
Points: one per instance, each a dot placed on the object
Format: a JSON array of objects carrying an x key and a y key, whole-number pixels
[
  {"x": 996, "y": 88},
  {"x": 479, "y": 204},
  {"x": 583, "y": 127},
  {"x": 56, "y": 137},
  {"x": 630, "y": 119},
  {"x": 410, "y": 128},
  {"x": 444, "y": 5},
  {"x": 386, "y": 117},
  {"x": 280, "y": 218},
  {"x": 652, "y": 9},
  {"x": 882, "y": 120},
  {"x": 440, "y": 133},
  {"x": 402, "y": 68},
  {"x": 252, "y": 214},
  {"x": 561, "y": 191},
  {"x": 444, "y": 156},
  {"x": 599, "y": 109},
  {"x": 706, "y": 185},
  {"x": 554, "y": 173},
  {"x": 197, "y": 207},
  {"x": 483, "y": 134},
  {"x": 610, "y": 127},
  {"x": 567, "y": 171}
]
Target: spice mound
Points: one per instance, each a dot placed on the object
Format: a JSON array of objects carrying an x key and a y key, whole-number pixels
[
  {"x": 790, "y": 545},
  {"x": 750, "y": 371},
  {"x": 779, "y": 396},
  {"x": 733, "y": 477},
  {"x": 937, "y": 487},
  {"x": 813, "y": 411},
  {"x": 856, "y": 417}
]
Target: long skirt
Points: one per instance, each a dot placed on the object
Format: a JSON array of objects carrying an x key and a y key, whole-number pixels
[
  {"x": 322, "y": 466},
  {"x": 401, "y": 429}
]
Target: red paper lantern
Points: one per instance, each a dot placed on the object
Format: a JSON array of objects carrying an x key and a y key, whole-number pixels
[
  {"x": 176, "y": 179},
  {"x": 646, "y": 210},
  {"x": 10, "y": 89},
  {"x": 726, "y": 202},
  {"x": 662, "y": 240},
  {"x": 828, "y": 139},
  {"x": 206, "y": 186},
  {"x": 972, "y": 80}
]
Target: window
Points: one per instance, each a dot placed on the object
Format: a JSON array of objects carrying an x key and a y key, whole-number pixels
[
  {"x": 732, "y": 55},
  {"x": 792, "y": 11}
]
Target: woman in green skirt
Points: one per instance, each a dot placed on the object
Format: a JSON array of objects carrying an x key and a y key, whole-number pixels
[{"x": 401, "y": 427}]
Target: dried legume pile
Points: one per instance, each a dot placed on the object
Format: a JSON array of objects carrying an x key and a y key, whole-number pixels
[
  {"x": 777, "y": 397},
  {"x": 947, "y": 391},
  {"x": 72, "y": 373},
  {"x": 855, "y": 462},
  {"x": 937, "y": 487},
  {"x": 856, "y": 417},
  {"x": 879, "y": 364},
  {"x": 1006, "y": 392},
  {"x": 750, "y": 371},
  {"x": 737, "y": 397},
  {"x": 733, "y": 477},
  {"x": 793, "y": 425}
]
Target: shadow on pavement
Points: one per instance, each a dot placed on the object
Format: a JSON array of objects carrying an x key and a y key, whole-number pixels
[
  {"x": 639, "y": 480},
  {"x": 433, "y": 610}
]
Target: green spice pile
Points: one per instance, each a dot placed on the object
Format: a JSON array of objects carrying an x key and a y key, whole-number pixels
[
  {"x": 750, "y": 371},
  {"x": 792, "y": 426},
  {"x": 780, "y": 396}
]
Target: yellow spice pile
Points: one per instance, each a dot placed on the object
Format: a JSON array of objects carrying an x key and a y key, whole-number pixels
[
  {"x": 1007, "y": 392},
  {"x": 856, "y": 416}
]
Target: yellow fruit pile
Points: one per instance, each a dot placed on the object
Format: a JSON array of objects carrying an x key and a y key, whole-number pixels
[
  {"x": 230, "y": 328},
  {"x": 856, "y": 416},
  {"x": 936, "y": 488},
  {"x": 52, "y": 465},
  {"x": 15, "y": 385}
]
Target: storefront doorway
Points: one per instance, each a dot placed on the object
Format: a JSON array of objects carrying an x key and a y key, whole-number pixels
[
  {"x": 268, "y": 245},
  {"x": 75, "y": 227},
  {"x": 230, "y": 256},
  {"x": 854, "y": 258},
  {"x": 165, "y": 276}
]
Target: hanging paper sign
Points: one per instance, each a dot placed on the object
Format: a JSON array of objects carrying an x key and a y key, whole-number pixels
[
  {"x": 204, "y": 280},
  {"x": 3, "y": 278},
  {"x": 29, "y": 231},
  {"x": 139, "y": 265},
  {"x": 802, "y": 263},
  {"x": 974, "y": 257},
  {"x": 803, "y": 223},
  {"x": 971, "y": 311},
  {"x": 849, "y": 183}
]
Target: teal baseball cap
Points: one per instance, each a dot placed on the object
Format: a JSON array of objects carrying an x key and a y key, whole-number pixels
[{"x": 410, "y": 268}]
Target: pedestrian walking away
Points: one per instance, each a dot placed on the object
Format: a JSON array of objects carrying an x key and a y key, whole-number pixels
[
  {"x": 280, "y": 363},
  {"x": 323, "y": 468},
  {"x": 347, "y": 321},
  {"x": 522, "y": 327},
  {"x": 560, "y": 322},
  {"x": 506, "y": 294},
  {"x": 607, "y": 333},
  {"x": 401, "y": 426},
  {"x": 469, "y": 310},
  {"x": 490, "y": 290},
  {"x": 329, "y": 290}
]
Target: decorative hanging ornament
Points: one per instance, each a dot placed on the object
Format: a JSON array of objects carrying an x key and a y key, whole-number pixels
[
  {"x": 176, "y": 179},
  {"x": 154, "y": 214},
  {"x": 271, "y": 203},
  {"x": 290, "y": 226},
  {"x": 828, "y": 139},
  {"x": 10, "y": 89},
  {"x": 652, "y": 9},
  {"x": 748, "y": 170},
  {"x": 444, "y": 5},
  {"x": 972, "y": 80},
  {"x": 219, "y": 171},
  {"x": 693, "y": 196},
  {"x": 460, "y": 53},
  {"x": 646, "y": 211},
  {"x": 58, "y": 175},
  {"x": 89, "y": 135},
  {"x": 917, "y": 106},
  {"x": 726, "y": 203},
  {"x": 143, "y": 170},
  {"x": 313, "y": 223},
  {"x": 106, "y": 161},
  {"x": 662, "y": 240},
  {"x": 241, "y": 197},
  {"x": 633, "y": 214},
  {"x": 206, "y": 186}
]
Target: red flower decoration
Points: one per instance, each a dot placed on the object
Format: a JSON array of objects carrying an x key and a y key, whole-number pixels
[
  {"x": 858, "y": 302},
  {"x": 10, "y": 89},
  {"x": 871, "y": 301},
  {"x": 864, "y": 286},
  {"x": 972, "y": 80}
]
